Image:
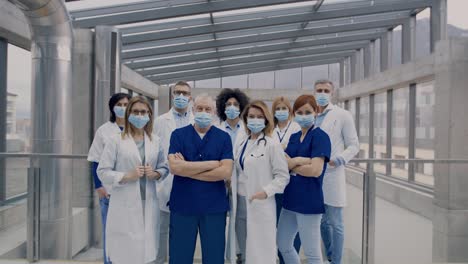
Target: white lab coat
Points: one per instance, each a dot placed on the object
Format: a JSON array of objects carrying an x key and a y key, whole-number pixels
[
  {"x": 266, "y": 169},
  {"x": 129, "y": 237},
  {"x": 163, "y": 126},
  {"x": 339, "y": 125},
  {"x": 102, "y": 136},
  {"x": 293, "y": 128}
]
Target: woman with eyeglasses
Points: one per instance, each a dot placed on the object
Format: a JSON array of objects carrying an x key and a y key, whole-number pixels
[
  {"x": 261, "y": 172},
  {"x": 308, "y": 154},
  {"x": 131, "y": 163}
]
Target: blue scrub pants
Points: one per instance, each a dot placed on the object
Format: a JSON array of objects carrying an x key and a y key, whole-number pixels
[
  {"x": 332, "y": 229},
  {"x": 308, "y": 226},
  {"x": 104, "y": 203},
  {"x": 183, "y": 230},
  {"x": 297, "y": 240}
]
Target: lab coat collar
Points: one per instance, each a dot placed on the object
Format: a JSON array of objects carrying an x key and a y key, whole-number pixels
[{"x": 329, "y": 108}]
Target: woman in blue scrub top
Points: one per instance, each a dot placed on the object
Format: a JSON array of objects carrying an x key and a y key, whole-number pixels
[{"x": 308, "y": 154}]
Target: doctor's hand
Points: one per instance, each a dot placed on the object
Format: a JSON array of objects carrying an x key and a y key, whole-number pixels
[
  {"x": 102, "y": 193},
  {"x": 259, "y": 196},
  {"x": 151, "y": 174},
  {"x": 134, "y": 175},
  {"x": 179, "y": 156}
]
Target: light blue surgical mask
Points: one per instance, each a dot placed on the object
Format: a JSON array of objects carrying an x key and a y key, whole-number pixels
[
  {"x": 138, "y": 121},
  {"x": 323, "y": 99},
  {"x": 181, "y": 101},
  {"x": 203, "y": 119},
  {"x": 305, "y": 121},
  {"x": 232, "y": 112},
  {"x": 119, "y": 111},
  {"x": 282, "y": 115},
  {"x": 255, "y": 125}
]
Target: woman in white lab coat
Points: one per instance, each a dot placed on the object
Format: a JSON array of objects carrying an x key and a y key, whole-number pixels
[
  {"x": 261, "y": 172},
  {"x": 285, "y": 126},
  {"x": 131, "y": 163}
]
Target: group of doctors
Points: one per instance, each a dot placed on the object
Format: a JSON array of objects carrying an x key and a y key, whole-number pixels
[{"x": 277, "y": 176}]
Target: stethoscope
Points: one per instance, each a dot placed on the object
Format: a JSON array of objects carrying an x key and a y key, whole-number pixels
[{"x": 242, "y": 158}]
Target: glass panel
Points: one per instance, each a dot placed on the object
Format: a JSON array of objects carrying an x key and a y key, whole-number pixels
[
  {"x": 396, "y": 46},
  {"x": 334, "y": 73},
  {"x": 425, "y": 100},
  {"x": 210, "y": 83},
  {"x": 364, "y": 129},
  {"x": 380, "y": 131},
  {"x": 235, "y": 82},
  {"x": 423, "y": 33},
  {"x": 264, "y": 80},
  {"x": 400, "y": 131},
  {"x": 288, "y": 79},
  {"x": 312, "y": 74},
  {"x": 353, "y": 218}
]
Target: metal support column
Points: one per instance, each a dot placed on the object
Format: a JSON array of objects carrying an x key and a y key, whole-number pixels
[
  {"x": 389, "y": 133},
  {"x": 438, "y": 22},
  {"x": 369, "y": 192},
  {"x": 3, "y": 113},
  {"x": 342, "y": 73},
  {"x": 386, "y": 51},
  {"x": 368, "y": 61},
  {"x": 408, "y": 38},
  {"x": 412, "y": 131},
  {"x": 353, "y": 67}
]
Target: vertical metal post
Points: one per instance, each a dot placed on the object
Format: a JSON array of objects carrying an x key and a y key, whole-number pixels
[
  {"x": 408, "y": 37},
  {"x": 346, "y": 105},
  {"x": 342, "y": 73},
  {"x": 3, "y": 113},
  {"x": 353, "y": 67},
  {"x": 412, "y": 131},
  {"x": 438, "y": 22},
  {"x": 386, "y": 49},
  {"x": 369, "y": 191},
  {"x": 33, "y": 221},
  {"x": 368, "y": 59},
  {"x": 389, "y": 133}
]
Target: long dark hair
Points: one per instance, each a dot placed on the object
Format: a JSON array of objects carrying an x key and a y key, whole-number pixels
[{"x": 113, "y": 101}]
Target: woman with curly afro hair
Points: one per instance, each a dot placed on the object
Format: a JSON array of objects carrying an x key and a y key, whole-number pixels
[{"x": 229, "y": 104}]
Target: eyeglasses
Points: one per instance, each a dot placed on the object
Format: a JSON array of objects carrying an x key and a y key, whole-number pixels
[
  {"x": 323, "y": 91},
  {"x": 140, "y": 112},
  {"x": 184, "y": 93}
]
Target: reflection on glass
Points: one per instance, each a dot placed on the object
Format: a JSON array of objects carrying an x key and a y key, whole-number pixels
[
  {"x": 380, "y": 130},
  {"x": 425, "y": 100},
  {"x": 400, "y": 131}
]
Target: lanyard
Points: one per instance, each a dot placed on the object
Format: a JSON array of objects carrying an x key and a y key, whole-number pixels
[
  {"x": 241, "y": 158},
  {"x": 286, "y": 131}
]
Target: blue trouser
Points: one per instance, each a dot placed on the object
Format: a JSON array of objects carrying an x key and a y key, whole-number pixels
[
  {"x": 279, "y": 206},
  {"x": 332, "y": 230},
  {"x": 104, "y": 203},
  {"x": 183, "y": 230},
  {"x": 308, "y": 226}
]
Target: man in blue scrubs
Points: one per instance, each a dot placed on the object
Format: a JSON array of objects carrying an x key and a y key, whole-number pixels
[{"x": 200, "y": 157}]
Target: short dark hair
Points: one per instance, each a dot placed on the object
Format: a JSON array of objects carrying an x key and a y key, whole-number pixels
[
  {"x": 182, "y": 83},
  {"x": 113, "y": 101},
  {"x": 227, "y": 94}
]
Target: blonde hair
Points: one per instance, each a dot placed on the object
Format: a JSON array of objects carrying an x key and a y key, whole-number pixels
[
  {"x": 129, "y": 129},
  {"x": 260, "y": 105},
  {"x": 276, "y": 102}
]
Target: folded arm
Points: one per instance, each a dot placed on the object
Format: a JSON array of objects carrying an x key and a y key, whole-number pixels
[
  {"x": 309, "y": 167},
  {"x": 184, "y": 168},
  {"x": 222, "y": 172}
]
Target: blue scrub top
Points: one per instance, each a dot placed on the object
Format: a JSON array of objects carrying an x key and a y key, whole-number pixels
[
  {"x": 304, "y": 194},
  {"x": 190, "y": 196}
]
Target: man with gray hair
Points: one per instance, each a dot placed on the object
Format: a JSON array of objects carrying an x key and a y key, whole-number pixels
[
  {"x": 200, "y": 157},
  {"x": 339, "y": 125}
]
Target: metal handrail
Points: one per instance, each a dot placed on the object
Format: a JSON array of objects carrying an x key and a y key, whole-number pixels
[
  {"x": 456, "y": 161},
  {"x": 42, "y": 155}
]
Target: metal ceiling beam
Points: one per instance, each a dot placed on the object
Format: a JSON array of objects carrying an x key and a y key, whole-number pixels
[
  {"x": 261, "y": 38},
  {"x": 142, "y": 12},
  {"x": 253, "y": 50},
  {"x": 246, "y": 71},
  {"x": 275, "y": 21},
  {"x": 275, "y": 56},
  {"x": 252, "y": 65}
]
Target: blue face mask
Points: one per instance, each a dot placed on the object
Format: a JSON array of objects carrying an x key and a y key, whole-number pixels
[
  {"x": 282, "y": 115},
  {"x": 255, "y": 125},
  {"x": 305, "y": 121},
  {"x": 323, "y": 99},
  {"x": 181, "y": 101},
  {"x": 138, "y": 121},
  {"x": 232, "y": 112},
  {"x": 119, "y": 111},
  {"x": 203, "y": 119}
]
